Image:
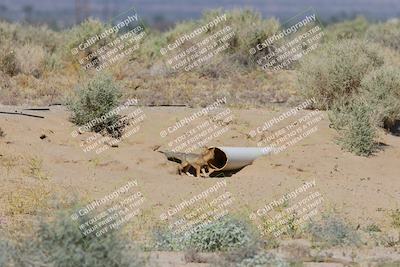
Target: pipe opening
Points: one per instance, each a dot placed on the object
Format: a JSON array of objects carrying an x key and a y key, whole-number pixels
[{"x": 219, "y": 161}]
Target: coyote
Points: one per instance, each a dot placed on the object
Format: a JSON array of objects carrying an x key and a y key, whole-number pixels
[{"x": 199, "y": 163}]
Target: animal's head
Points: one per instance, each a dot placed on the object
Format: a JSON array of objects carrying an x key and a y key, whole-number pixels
[{"x": 208, "y": 154}]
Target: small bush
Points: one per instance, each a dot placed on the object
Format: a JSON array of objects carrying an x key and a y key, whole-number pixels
[
  {"x": 263, "y": 259},
  {"x": 35, "y": 169},
  {"x": 386, "y": 34},
  {"x": 333, "y": 231},
  {"x": 7, "y": 253},
  {"x": 8, "y": 63},
  {"x": 94, "y": 103},
  {"x": 83, "y": 32},
  {"x": 350, "y": 29},
  {"x": 336, "y": 70},
  {"x": 250, "y": 256},
  {"x": 382, "y": 90},
  {"x": 356, "y": 127},
  {"x": 61, "y": 243},
  {"x": 221, "y": 235},
  {"x": 31, "y": 59}
]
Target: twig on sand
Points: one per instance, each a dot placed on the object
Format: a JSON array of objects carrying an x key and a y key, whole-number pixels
[{"x": 21, "y": 114}]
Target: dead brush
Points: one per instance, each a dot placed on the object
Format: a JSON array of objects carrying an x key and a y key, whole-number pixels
[
  {"x": 27, "y": 199},
  {"x": 34, "y": 169},
  {"x": 9, "y": 162}
]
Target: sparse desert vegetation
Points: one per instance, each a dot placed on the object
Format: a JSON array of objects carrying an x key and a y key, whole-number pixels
[{"x": 354, "y": 77}]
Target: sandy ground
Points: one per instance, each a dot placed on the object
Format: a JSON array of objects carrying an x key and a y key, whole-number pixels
[{"x": 361, "y": 189}]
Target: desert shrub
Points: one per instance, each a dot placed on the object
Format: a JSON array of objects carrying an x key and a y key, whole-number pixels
[
  {"x": 386, "y": 34},
  {"x": 382, "y": 91},
  {"x": 61, "y": 243},
  {"x": 250, "y": 29},
  {"x": 30, "y": 59},
  {"x": 27, "y": 200},
  {"x": 7, "y": 253},
  {"x": 356, "y": 127},
  {"x": 333, "y": 231},
  {"x": 395, "y": 216},
  {"x": 221, "y": 235},
  {"x": 22, "y": 34},
  {"x": 94, "y": 104},
  {"x": 53, "y": 62},
  {"x": 349, "y": 29},
  {"x": 253, "y": 255},
  {"x": 8, "y": 62},
  {"x": 81, "y": 33},
  {"x": 336, "y": 70},
  {"x": 263, "y": 259}
]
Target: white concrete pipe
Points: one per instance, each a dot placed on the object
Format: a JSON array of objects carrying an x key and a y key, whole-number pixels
[{"x": 233, "y": 158}]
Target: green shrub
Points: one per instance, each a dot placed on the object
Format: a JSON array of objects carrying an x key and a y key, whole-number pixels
[
  {"x": 22, "y": 34},
  {"x": 61, "y": 243},
  {"x": 221, "y": 235},
  {"x": 333, "y": 231},
  {"x": 7, "y": 253},
  {"x": 263, "y": 259},
  {"x": 86, "y": 30},
  {"x": 356, "y": 127},
  {"x": 386, "y": 34},
  {"x": 94, "y": 104},
  {"x": 250, "y": 256},
  {"x": 249, "y": 28},
  {"x": 336, "y": 70},
  {"x": 382, "y": 91},
  {"x": 349, "y": 29}
]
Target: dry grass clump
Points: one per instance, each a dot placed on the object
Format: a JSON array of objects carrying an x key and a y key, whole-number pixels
[
  {"x": 28, "y": 199},
  {"x": 253, "y": 89},
  {"x": 30, "y": 59},
  {"x": 27, "y": 188}
]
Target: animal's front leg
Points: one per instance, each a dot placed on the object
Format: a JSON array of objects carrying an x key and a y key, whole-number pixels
[{"x": 210, "y": 171}]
